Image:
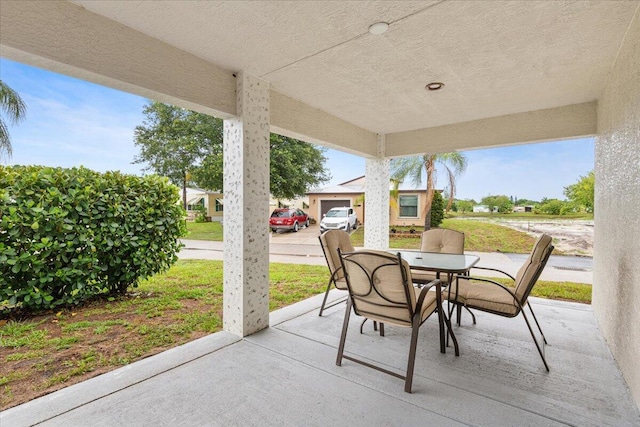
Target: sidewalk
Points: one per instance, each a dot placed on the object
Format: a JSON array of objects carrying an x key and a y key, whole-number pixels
[{"x": 558, "y": 269}]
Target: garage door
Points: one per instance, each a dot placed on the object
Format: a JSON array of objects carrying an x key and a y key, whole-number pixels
[{"x": 325, "y": 205}]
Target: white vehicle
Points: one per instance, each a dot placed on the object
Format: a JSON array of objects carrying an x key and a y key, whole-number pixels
[{"x": 339, "y": 219}]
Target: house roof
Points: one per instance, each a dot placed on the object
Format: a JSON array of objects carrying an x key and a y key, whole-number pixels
[
  {"x": 359, "y": 181},
  {"x": 355, "y": 186},
  {"x": 195, "y": 190},
  {"x": 338, "y": 189}
]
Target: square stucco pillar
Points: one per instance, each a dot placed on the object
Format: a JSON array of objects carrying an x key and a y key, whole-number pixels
[
  {"x": 246, "y": 208},
  {"x": 376, "y": 200},
  {"x": 616, "y": 270}
]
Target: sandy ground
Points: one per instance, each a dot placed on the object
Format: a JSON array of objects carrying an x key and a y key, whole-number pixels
[{"x": 573, "y": 237}]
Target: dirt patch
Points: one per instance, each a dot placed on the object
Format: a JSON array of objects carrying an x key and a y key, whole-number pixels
[
  {"x": 66, "y": 356},
  {"x": 571, "y": 237}
]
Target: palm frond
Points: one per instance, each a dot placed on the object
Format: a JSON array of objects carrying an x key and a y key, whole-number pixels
[{"x": 11, "y": 103}]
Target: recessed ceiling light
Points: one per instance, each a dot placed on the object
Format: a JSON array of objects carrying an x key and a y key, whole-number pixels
[
  {"x": 378, "y": 28},
  {"x": 434, "y": 86}
]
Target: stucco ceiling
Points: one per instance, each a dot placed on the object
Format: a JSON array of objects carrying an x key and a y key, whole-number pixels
[{"x": 495, "y": 57}]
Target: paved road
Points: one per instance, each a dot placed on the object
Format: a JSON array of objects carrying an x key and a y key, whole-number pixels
[{"x": 303, "y": 247}]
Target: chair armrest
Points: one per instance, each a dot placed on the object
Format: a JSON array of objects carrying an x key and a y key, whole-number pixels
[
  {"x": 499, "y": 271},
  {"x": 335, "y": 274},
  {"x": 424, "y": 290},
  {"x": 493, "y": 282}
]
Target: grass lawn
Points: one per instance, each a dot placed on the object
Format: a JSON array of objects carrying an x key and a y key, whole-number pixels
[
  {"x": 479, "y": 236},
  {"x": 204, "y": 231},
  {"x": 523, "y": 216},
  {"x": 47, "y": 352},
  {"x": 564, "y": 291}
]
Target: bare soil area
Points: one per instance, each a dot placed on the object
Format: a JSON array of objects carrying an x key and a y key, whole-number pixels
[{"x": 572, "y": 237}]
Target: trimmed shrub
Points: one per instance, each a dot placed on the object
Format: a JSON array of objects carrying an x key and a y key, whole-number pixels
[
  {"x": 70, "y": 234},
  {"x": 437, "y": 209}
]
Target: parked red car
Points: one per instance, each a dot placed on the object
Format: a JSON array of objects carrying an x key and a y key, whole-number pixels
[{"x": 288, "y": 219}]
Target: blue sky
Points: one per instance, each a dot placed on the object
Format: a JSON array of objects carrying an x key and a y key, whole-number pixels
[{"x": 71, "y": 122}]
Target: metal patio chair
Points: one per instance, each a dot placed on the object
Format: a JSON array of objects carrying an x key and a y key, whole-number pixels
[
  {"x": 438, "y": 240},
  {"x": 492, "y": 297},
  {"x": 330, "y": 242},
  {"x": 380, "y": 289}
]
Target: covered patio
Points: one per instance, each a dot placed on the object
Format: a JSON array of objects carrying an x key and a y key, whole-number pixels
[
  {"x": 514, "y": 72},
  {"x": 286, "y": 375}
]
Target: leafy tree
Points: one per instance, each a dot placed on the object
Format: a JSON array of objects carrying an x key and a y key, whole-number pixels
[
  {"x": 454, "y": 163},
  {"x": 502, "y": 203},
  {"x": 173, "y": 141},
  {"x": 465, "y": 205},
  {"x": 527, "y": 202},
  {"x": 186, "y": 147},
  {"x": 569, "y": 208},
  {"x": 582, "y": 193},
  {"x": 13, "y": 106},
  {"x": 295, "y": 167},
  {"x": 551, "y": 206}
]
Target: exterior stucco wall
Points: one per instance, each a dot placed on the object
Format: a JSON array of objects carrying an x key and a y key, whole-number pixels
[
  {"x": 418, "y": 222},
  {"x": 616, "y": 276},
  {"x": 211, "y": 207}
]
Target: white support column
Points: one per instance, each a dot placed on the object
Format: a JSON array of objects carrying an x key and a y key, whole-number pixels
[
  {"x": 376, "y": 201},
  {"x": 246, "y": 207}
]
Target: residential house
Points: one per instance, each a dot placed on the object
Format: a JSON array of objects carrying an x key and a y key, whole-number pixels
[
  {"x": 348, "y": 194},
  {"x": 407, "y": 210},
  {"x": 299, "y": 203},
  {"x": 212, "y": 202},
  {"x": 481, "y": 209}
]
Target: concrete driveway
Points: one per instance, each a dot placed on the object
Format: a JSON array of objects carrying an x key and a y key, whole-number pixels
[{"x": 304, "y": 236}]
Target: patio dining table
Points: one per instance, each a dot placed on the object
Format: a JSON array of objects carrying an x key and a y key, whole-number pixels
[{"x": 440, "y": 263}]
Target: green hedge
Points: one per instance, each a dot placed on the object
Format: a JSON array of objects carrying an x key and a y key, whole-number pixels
[{"x": 70, "y": 234}]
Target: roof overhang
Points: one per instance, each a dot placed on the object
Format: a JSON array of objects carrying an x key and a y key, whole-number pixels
[{"x": 514, "y": 72}]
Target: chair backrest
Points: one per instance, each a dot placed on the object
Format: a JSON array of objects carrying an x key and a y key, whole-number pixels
[
  {"x": 330, "y": 242},
  {"x": 380, "y": 286},
  {"x": 532, "y": 268},
  {"x": 442, "y": 240}
]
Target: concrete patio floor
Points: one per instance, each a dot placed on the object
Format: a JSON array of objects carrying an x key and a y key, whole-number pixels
[{"x": 287, "y": 376}]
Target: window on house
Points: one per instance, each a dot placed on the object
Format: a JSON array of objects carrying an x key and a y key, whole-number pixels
[
  {"x": 408, "y": 206},
  {"x": 194, "y": 204},
  {"x": 219, "y": 205}
]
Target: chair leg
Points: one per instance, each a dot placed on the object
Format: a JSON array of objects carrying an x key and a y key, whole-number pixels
[
  {"x": 343, "y": 337},
  {"x": 473, "y": 316},
  {"x": 540, "y": 350},
  {"x": 458, "y": 313},
  {"x": 362, "y": 324},
  {"x": 412, "y": 355},
  {"x": 537, "y": 324},
  {"x": 375, "y": 326},
  {"x": 326, "y": 294}
]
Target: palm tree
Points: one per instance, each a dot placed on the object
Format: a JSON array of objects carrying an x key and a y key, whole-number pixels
[
  {"x": 454, "y": 163},
  {"x": 13, "y": 106}
]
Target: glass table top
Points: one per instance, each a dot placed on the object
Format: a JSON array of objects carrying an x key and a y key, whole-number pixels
[{"x": 450, "y": 263}]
